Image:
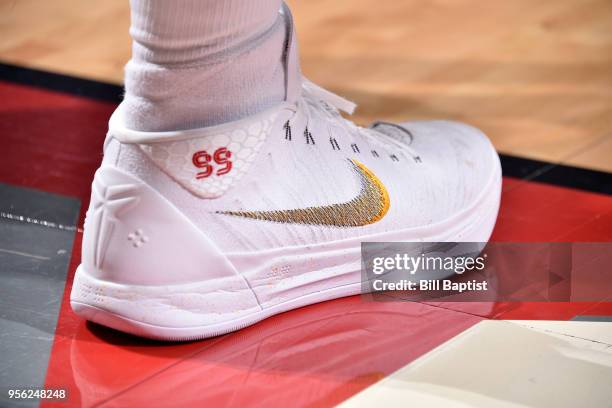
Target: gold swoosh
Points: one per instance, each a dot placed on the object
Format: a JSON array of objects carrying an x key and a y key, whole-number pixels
[{"x": 368, "y": 207}]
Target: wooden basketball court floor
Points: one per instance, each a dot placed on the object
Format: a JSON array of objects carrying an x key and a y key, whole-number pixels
[{"x": 535, "y": 76}]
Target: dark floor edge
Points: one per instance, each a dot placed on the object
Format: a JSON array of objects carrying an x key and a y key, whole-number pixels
[
  {"x": 513, "y": 166},
  {"x": 556, "y": 174},
  {"x": 586, "y": 318},
  {"x": 61, "y": 83}
]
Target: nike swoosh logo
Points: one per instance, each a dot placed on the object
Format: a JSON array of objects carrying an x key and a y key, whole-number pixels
[{"x": 368, "y": 207}]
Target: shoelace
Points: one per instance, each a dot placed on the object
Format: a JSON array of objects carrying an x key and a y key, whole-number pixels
[{"x": 333, "y": 103}]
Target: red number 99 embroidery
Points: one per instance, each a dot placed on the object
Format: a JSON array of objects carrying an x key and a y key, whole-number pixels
[{"x": 202, "y": 160}]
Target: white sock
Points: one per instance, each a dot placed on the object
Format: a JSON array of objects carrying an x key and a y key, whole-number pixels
[{"x": 198, "y": 63}]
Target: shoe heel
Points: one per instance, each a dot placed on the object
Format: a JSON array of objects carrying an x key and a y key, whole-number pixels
[{"x": 134, "y": 235}]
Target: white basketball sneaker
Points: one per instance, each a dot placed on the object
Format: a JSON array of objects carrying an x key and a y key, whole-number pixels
[{"x": 196, "y": 233}]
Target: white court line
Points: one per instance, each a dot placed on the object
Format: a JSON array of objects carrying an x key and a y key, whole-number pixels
[
  {"x": 40, "y": 258},
  {"x": 505, "y": 364}
]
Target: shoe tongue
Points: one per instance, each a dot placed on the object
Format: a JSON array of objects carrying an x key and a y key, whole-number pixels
[
  {"x": 293, "y": 75},
  {"x": 329, "y": 98}
]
